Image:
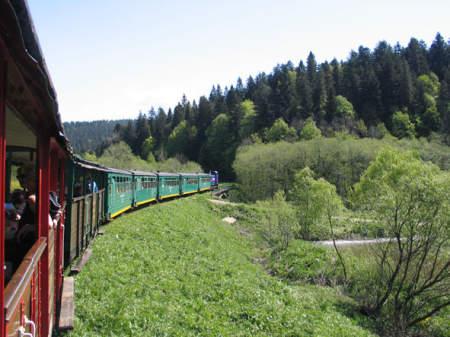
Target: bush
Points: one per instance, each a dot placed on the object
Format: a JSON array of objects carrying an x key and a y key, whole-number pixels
[
  {"x": 310, "y": 130},
  {"x": 315, "y": 201},
  {"x": 302, "y": 261},
  {"x": 280, "y": 222}
]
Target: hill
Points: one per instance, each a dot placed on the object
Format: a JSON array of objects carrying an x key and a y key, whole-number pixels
[
  {"x": 402, "y": 90},
  {"x": 88, "y": 136}
]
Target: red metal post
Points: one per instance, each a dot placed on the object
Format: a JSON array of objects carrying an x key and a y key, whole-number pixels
[
  {"x": 3, "y": 85},
  {"x": 43, "y": 213},
  {"x": 60, "y": 259}
]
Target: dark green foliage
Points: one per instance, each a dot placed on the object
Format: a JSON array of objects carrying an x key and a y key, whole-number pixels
[{"x": 89, "y": 136}]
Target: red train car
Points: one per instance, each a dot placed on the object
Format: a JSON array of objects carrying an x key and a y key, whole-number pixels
[{"x": 33, "y": 153}]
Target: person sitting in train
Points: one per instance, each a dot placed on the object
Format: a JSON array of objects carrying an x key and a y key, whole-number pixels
[
  {"x": 92, "y": 185},
  {"x": 27, "y": 233},
  {"x": 77, "y": 190},
  {"x": 55, "y": 209},
  {"x": 14, "y": 211}
]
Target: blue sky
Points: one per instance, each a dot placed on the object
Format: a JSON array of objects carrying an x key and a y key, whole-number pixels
[{"x": 112, "y": 59}]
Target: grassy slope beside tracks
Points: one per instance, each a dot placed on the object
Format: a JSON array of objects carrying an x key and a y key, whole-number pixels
[{"x": 176, "y": 269}]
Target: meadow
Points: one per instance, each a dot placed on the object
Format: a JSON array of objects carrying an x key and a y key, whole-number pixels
[{"x": 175, "y": 269}]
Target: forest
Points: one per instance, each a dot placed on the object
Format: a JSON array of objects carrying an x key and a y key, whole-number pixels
[{"x": 398, "y": 90}]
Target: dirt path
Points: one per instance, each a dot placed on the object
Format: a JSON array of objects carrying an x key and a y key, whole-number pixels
[
  {"x": 222, "y": 202},
  {"x": 353, "y": 242}
]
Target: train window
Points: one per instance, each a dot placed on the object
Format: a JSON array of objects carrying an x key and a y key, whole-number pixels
[{"x": 20, "y": 192}]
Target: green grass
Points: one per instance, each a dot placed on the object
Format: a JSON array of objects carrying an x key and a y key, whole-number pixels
[{"x": 175, "y": 269}]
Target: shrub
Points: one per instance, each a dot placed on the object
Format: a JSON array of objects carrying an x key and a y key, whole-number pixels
[
  {"x": 310, "y": 130},
  {"x": 302, "y": 261},
  {"x": 411, "y": 278},
  {"x": 315, "y": 202}
]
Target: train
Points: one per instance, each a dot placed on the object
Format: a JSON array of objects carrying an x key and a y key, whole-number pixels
[
  {"x": 53, "y": 202},
  {"x": 98, "y": 194}
]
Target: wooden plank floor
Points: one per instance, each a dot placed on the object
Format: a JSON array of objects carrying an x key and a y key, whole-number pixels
[
  {"x": 67, "y": 314},
  {"x": 80, "y": 264}
]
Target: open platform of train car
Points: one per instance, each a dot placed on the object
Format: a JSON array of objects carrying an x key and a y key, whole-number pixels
[{"x": 33, "y": 154}]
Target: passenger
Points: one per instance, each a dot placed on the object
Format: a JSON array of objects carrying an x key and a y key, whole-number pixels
[
  {"x": 18, "y": 199},
  {"x": 11, "y": 246},
  {"x": 55, "y": 210},
  {"x": 27, "y": 233},
  {"x": 77, "y": 190},
  {"x": 92, "y": 185}
]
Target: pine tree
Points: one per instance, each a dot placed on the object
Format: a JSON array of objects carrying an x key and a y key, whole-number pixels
[
  {"x": 416, "y": 55},
  {"x": 438, "y": 56}
]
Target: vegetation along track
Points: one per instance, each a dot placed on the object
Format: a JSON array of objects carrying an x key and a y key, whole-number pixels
[{"x": 175, "y": 269}]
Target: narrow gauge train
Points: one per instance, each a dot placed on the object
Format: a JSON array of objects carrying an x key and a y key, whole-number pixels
[
  {"x": 33, "y": 148},
  {"x": 96, "y": 194}
]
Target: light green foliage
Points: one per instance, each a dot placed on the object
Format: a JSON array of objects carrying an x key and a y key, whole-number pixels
[
  {"x": 90, "y": 156},
  {"x": 431, "y": 117},
  {"x": 381, "y": 131},
  {"x": 120, "y": 156},
  {"x": 219, "y": 148},
  {"x": 181, "y": 139},
  {"x": 344, "y": 108},
  {"x": 315, "y": 201},
  {"x": 176, "y": 269},
  {"x": 247, "y": 125},
  {"x": 429, "y": 84},
  {"x": 280, "y": 130},
  {"x": 176, "y": 165},
  {"x": 361, "y": 128},
  {"x": 263, "y": 169},
  {"x": 280, "y": 221},
  {"x": 303, "y": 261},
  {"x": 147, "y": 148},
  {"x": 310, "y": 130},
  {"x": 412, "y": 199},
  {"x": 402, "y": 125}
]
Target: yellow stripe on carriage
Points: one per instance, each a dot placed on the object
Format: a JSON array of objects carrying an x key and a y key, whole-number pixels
[
  {"x": 145, "y": 201},
  {"x": 184, "y": 193},
  {"x": 204, "y": 189},
  {"x": 169, "y": 196},
  {"x": 120, "y": 212}
]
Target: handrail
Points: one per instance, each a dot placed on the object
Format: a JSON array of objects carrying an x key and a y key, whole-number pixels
[
  {"x": 81, "y": 197},
  {"x": 18, "y": 283}
]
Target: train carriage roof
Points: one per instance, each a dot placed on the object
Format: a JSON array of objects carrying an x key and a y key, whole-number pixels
[
  {"x": 190, "y": 174},
  {"x": 167, "y": 174},
  {"x": 142, "y": 173},
  {"x": 19, "y": 35}
]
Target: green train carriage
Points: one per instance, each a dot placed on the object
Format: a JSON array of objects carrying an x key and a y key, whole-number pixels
[
  {"x": 145, "y": 188},
  {"x": 189, "y": 183},
  {"x": 205, "y": 180},
  {"x": 120, "y": 192},
  {"x": 168, "y": 185}
]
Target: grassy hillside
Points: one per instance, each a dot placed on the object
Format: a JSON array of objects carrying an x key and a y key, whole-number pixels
[{"x": 175, "y": 269}]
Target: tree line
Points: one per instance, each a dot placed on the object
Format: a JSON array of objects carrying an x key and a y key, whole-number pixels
[{"x": 396, "y": 89}]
